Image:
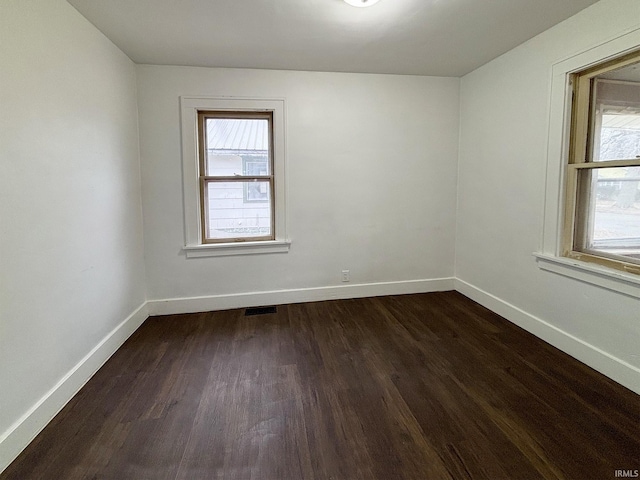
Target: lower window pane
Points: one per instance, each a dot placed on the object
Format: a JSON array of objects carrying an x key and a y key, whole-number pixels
[
  {"x": 610, "y": 198},
  {"x": 238, "y": 210}
]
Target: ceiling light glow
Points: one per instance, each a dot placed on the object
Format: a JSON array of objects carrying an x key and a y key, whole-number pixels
[{"x": 361, "y": 3}]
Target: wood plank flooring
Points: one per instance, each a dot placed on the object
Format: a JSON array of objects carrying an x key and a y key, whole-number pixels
[{"x": 429, "y": 386}]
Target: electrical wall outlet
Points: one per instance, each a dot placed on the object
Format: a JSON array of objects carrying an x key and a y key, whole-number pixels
[{"x": 346, "y": 276}]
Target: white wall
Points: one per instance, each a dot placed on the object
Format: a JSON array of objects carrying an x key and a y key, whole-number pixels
[
  {"x": 371, "y": 171},
  {"x": 501, "y": 195},
  {"x": 71, "y": 259},
  {"x": 372, "y": 175}
]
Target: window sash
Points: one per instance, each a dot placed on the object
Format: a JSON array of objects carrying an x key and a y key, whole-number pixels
[
  {"x": 579, "y": 245},
  {"x": 577, "y": 203},
  {"x": 205, "y": 180}
]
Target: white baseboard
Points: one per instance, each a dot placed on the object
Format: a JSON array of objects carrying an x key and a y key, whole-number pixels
[
  {"x": 610, "y": 366},
  {"x": 25, "y": 429},
  {"x": 280, "y": 297}
]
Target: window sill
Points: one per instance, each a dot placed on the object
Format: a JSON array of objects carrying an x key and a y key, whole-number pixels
[
  {"x": 240, "y": 248},
  {"x": 617, "y": 281}
]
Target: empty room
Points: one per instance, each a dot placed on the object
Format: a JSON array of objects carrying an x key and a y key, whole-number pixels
[{"x": 320, "y": 239}]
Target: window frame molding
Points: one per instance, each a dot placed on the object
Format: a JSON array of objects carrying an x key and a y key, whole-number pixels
[
  {"x": 551, "y": 246},
  {"x": 194, "y": 245}
]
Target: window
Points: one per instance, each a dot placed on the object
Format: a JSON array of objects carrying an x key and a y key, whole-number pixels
[
  {"x": 236, "y": 176},
  {"x": 602, "y": 207},
  {"x": 233, "y": 162},
  {"x": 257, "y": 166}
]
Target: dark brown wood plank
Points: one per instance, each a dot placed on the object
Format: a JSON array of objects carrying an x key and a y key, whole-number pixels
[{"x": 402, "y": 387}]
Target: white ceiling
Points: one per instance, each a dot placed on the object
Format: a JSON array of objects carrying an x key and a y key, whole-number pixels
[{"x": 420, "y": 37}]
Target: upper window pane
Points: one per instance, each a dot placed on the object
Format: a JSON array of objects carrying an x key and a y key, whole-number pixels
[
  {"x": 619, "y": 137},
  {"x": 237, "y": 147},
  {"x": 616, "y": 120}
]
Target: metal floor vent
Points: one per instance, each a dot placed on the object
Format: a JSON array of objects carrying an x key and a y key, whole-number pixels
[{"x": 259, "y": 311}]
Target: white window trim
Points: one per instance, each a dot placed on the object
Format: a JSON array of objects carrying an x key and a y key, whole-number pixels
[
  {"x": 592, "y": 273},
  {"x": 189, "y": 107},
  {"x": 549, "y": 256}
]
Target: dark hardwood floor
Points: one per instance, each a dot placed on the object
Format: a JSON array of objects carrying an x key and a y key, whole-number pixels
[{"x": 429, "y": 386}]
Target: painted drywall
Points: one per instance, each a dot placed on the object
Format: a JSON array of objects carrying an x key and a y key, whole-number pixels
[
  {"x": 371, "y": 175},
  {"x": 71, "y": 258},
  {"x": 505, "y": 108}
]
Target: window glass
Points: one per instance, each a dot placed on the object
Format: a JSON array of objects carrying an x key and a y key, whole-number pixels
[
  {"x": 613, "y": 213},
  {"x": 231, "y": 216},
  {"x": 232, "y": 142},
  {"x": 616, "y": 119}
]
